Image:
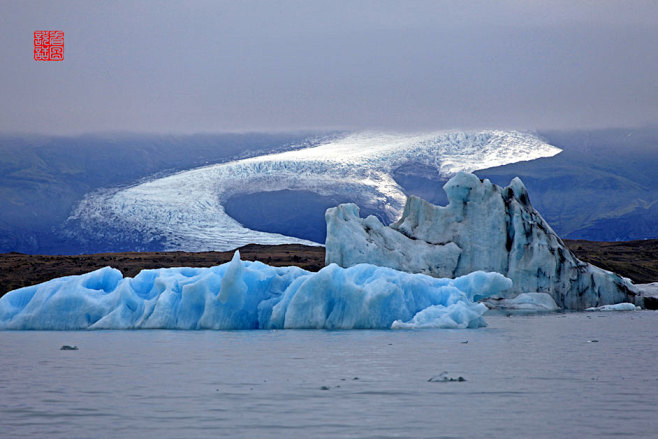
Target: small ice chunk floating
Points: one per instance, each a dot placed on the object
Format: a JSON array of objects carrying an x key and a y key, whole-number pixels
[
  {"x": 251, "y": 295},
  {"x": 615, "y": 307},
  {"x": 524, "y": 303}
]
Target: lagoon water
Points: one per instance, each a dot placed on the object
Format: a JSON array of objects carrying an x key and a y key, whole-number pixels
[{"x": 559, "y": 375}]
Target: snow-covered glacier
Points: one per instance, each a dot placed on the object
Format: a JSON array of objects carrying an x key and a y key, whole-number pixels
[
  {"x": 483, "y": 227},
  {"x": 186, "y": 210},
  {"x": 251, "y": 295}
]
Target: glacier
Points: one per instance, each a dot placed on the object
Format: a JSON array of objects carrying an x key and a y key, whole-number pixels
[
  {"x": 483, "y": 227},
  {"x": 186, "y": 212},
  {"x": 251, "y": 295}
]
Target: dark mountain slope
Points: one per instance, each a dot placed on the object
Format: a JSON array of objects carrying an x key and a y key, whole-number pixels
[{"x": 603, "y": 186}]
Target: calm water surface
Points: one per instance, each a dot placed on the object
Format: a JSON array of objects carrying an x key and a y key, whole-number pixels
[{"x": 536, "y": 376}]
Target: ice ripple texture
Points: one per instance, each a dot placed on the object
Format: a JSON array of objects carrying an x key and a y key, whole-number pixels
[
  {"x": 186, "y": 210},
  {"x": 252, "y": 295}
]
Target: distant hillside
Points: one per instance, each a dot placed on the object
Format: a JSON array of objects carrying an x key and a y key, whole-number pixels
[
  {"x": 637, "y": 260},
  {"x": 602, "y": 187}
]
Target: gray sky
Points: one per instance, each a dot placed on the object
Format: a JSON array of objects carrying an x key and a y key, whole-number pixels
[{"x": 208, "y": 66}]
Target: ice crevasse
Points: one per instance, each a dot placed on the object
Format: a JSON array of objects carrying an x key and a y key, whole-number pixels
[{"x": 250, "y": 295}]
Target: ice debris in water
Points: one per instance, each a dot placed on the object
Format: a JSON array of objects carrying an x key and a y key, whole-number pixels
[
  {"x": 524, "y": 303},
  {"x": 444, "y": 378},
  {"x": 616, "y": 307},
  {"x": 250, "y": 295}
]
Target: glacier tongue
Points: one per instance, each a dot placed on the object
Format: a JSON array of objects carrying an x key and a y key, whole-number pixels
[
  {"x": 483, "y": 227},
  {"x": 250, "y": 295},
  {"x": 186, "y": 210}
]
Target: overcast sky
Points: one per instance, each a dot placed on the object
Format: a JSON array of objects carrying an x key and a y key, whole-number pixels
[{"x": 210, "y": 66}]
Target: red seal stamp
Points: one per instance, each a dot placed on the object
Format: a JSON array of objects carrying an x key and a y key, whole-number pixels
[{"x": 48, "y": 45}]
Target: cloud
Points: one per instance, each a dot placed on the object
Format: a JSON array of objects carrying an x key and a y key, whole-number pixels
[{"x": 216, "y": 66}]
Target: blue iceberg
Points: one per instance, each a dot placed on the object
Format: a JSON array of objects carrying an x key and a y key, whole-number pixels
[{"x": 252, "y": 295}]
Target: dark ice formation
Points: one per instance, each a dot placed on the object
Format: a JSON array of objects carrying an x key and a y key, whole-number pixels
[{"x": 483, "y": 227}]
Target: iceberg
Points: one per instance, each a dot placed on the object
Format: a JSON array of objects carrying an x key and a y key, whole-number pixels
[
  {"x": 251, "y": 295},
  {"x": 483, "y": 227}
]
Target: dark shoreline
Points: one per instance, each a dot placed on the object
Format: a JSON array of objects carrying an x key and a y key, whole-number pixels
[{"x": 637, "y": 260}]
